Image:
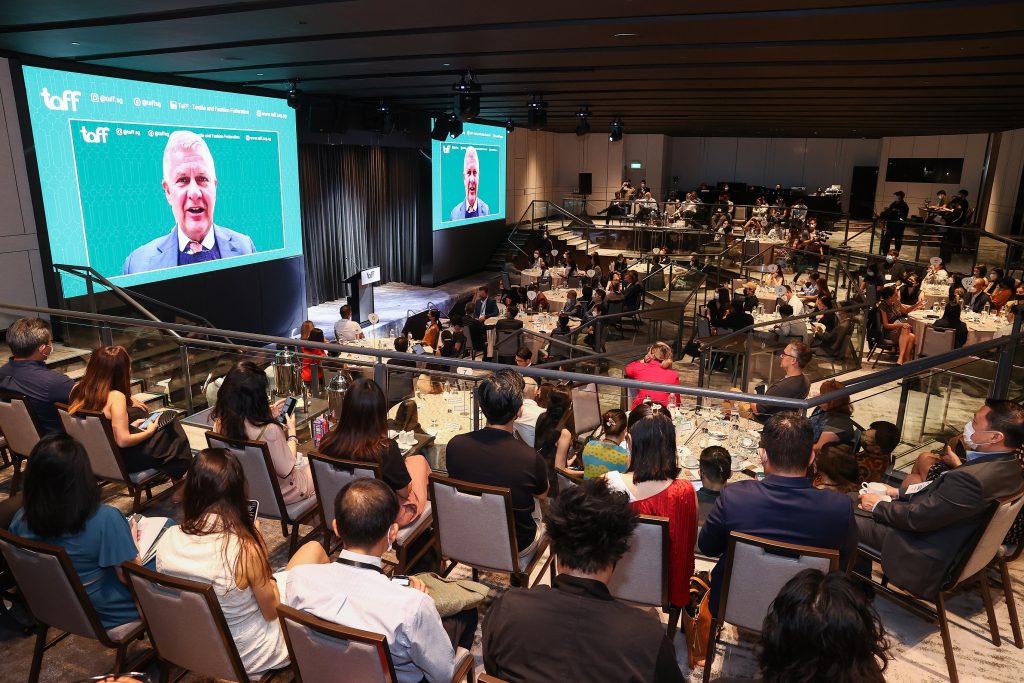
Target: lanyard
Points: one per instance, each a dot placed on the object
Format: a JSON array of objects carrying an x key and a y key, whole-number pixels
[{"x": 359, "y": 565}]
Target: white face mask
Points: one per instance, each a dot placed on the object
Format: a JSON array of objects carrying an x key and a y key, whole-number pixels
[
  {"x": 969, "y": 435},
  {"x": 889, "y": 259}
]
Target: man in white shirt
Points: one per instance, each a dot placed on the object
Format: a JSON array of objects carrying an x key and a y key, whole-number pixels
[
  {"x": 526, "y": 424},
  {"x": 794, "y": 301},
  {"x": 354, "y": 591},
  {"x": 346, "y": 329}
]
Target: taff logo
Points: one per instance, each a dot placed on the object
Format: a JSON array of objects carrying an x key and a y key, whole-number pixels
[
  {"x": 68, "y": 100},
  {"x": 94, "y": 136}
]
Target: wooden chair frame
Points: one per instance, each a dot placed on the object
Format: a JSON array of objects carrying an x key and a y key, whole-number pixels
[
  {"x": 284, "y": 519},
  {"x": 121, "y": 663},
  {"x": 518, "y": 578}
]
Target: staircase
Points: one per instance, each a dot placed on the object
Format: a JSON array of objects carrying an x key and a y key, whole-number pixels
[{"x": 507, "y": 250}]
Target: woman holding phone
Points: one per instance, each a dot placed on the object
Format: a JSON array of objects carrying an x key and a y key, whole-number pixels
[{"x": 243, "y": 411}]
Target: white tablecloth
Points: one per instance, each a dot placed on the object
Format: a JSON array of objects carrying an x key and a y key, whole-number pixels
[
  {"x": 977, "y": 331},
  {"x": 539, "y": 323},
  {"x": 443, "y": 416},
  {"x": 695, "y": 432},
  {"x": 530, "y": 275},
  {"x": 933, "y": 294}
]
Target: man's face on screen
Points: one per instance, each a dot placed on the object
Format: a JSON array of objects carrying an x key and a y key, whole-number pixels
[
  {"x": 191, "y": 188},
  {"x": 471, "y": 177}
]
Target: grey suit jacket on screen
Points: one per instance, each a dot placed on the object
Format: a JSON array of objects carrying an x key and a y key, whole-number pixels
[{"x": 163, "y": 251}]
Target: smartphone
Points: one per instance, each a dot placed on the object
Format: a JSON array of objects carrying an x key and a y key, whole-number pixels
[
  {"x": 254, "y": 508},
  {"x": 287, "y": 409},
  {"x": 417, "y": 348},
  {"x": 152, "y": 416},
  {"x": 400, "y": 579},
  {"x": 134, "y": 518}
]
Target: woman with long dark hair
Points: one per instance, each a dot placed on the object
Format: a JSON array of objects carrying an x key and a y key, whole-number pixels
[
  {"x": 551, "y": 439},
  {"x": 362, "y": 434},
  {"x": 315, "y": 335},
  {"x": 243, "y": 412},
  {"x": 433, "y": 330},
  {"x": 608, "y": 452},
  {"x": 106, "y": 388},
  {"x": 654, "y": 490},
  {"x": 219, "y": 544},
  {"x": 62, "y": 507}
]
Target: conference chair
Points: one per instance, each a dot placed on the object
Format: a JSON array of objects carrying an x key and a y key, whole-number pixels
[
  {"x": 973, "y": 566},
  {"x": 330, "y": 475},
  {"x": 20, "y": 431},
  {"x": 473, "y": 525},
  {"x": 641, "y": 577},
  {"x": 876, "y": 338},
  {"x": 506, "y": 343},
  {"x": 712, "y": 353},
  {"x": 936, "y": 342},
  {"x": 263, "y": 486},
  {"x": 92, "y": 430},
  {"x": 186, "y": 626},
  {"x": 568, "y": 478},
  {"x": 756, "y": 569},
  {"x": 57, "y": 599},
  {"x": 320, "y": 650},
  {"x": 401, "y": 385},
  {"x": 586, "y": 411}
]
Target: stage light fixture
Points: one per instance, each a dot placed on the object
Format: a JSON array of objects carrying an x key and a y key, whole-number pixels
[
  {"x": 454, "y": 126},
  {"x": 385, "y": 121},
  {"x": 536, "y": 113},
  {"x": 294, "y": 95},
  {"x": 441, "y": 128},
  {"x": 467, "y": 97},
  {"x": 510, "y": 125},
  {"x": 582, "y": 124},
  {"x": 616, "y": 132}
]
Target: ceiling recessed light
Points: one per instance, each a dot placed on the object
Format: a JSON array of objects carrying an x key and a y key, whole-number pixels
[
  {"x": 625, "y": 35},
  {"x": 74, "y": 43},
  {"x": 446, "y": 64},
  {"x": 259, "y": 74}
]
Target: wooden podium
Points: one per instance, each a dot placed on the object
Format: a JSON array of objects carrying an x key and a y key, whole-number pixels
[{"x": 360, "y": 295}]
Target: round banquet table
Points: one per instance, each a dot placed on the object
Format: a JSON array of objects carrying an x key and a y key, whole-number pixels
[
  {"x": 977, "y": 331},
  {"x": 531, "y": 275},
  {"x": 932, "y": 294},
  {"x": 765, "y": 297},
  {"x": 443, "y": 416},
  {"x": 539, "y": 323}
]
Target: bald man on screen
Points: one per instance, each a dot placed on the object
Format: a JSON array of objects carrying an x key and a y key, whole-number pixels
[
  {"x": 190, "y": 186},
  {"x": 472, "y": 206}
]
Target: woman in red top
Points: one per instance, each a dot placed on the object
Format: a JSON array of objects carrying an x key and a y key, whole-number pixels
[
  {"x": 315, "y": 335},
  {"x": 655, "y": 367},
  {"x": 654, "y": 490}
]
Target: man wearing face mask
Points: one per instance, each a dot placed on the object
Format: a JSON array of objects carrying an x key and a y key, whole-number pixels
[
  {"x": 891, "y": 270},
  {"x": 921, "y": 530}
]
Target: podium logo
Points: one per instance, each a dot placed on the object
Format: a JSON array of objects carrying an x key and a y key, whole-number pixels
[
  {"x": 95, "y": 136},
  {"x": 64, "y": 102}
]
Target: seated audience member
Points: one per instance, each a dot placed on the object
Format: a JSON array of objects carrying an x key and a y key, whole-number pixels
[
  {"x": 458, "y": 335},
  {"x": 407, "y": 418},
  {"x": 910, "y": 292},
  {"x": 433, "y": 330},
  {"x": 217, "y": 543},
  {"x": 524, "y": 357},
  {"x": 920, "y": 535},
  {"x": 895, "y": 324},
  {"x": 820, "y": 628},
  {"x": 526, "y": 423},
  {"x": 876, "y": 446},
  {"x": 784, "y": 506},
  {"x": 1003, "y": 292},
  {"x": 445, "y": 346},
  {"x": 715, "y": 470},
  {"x": 62, "y": 507},
  {"x": 590, "y": 339},
  {"x": 306, "y": 327},
  {"x": 552, "y": 440},
  {"x": 788, "y": 328},
  {"x": 354, "y": 591},
  {"x": 590, "y": 528},
  {"x": 654, "y": 489},
  {"x": 719, "y": 307},
  {"x": 315, "y": 335},
  {"x": 836, "y": 468},
  {"x": 614, "y": 291},
  {"x": 809, "y": 290},
  {"x": 994, "y": 276},
  {"x": 827, "y": 318},
  {"x": 632, "y": 297},
  {"x": 539, "y": 303},
  {"x": 834, "y": 342},
  {"x": 346, "y": 329},
  {"x": 494, "y": 457},
  {"x": 26, "y": 373},
  {"x": 106, "y": 388},
  {"x": 563, "y": 325},
  {"x": 475, "y": 329},
  {"x": 655, "y": 367},
  {"x": 402, "y": 346},
  {"x": 608, "y": 452},
  {"x": 833, "y": 418},
  {"x": 243, "y": 412},
  {"x": 793, "y": 300},
  {"x": 572, "y": 307},
  {"x": 950, "y": 320},
  {"x": 738, "y": 318},
  {"x": 362, "y": 434},
  {"x": 504, "y": 351},
  {"x": 976, "y": 299},
  {"x": 750, "y": 301},
  {"x": 594, "y": 264},
  {"x": 484, "y": 306},
  {"x": 793, "y": 359},
  {"x": 620, "y": 264}
]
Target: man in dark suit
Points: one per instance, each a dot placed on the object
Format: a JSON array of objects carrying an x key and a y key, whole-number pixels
[
  {"x": 784, "y": 506},
  {"x": 484, "y": 307},
  {"x": 977, "y": 298},
  {"x": 924, "y": 530},
  {"x": 508, "y": 336},
  {"x": 633, "y": 296},
  {"x": 895, "y": 222}
]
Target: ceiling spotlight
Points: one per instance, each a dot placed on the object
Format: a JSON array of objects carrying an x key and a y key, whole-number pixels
[
  {"x": 454, "y": 125},
  {"x": 384, "y": 121},
  {"x": 582, "y": 125},
  {"x": 510, "y": 125},
  {"x": 536, "y": 113},
  {"x": 294, "y": 95},
  {"x": 467, "y": 97},
  {"x": 441, "y": 128},
  {"x": 616, "y": 132}
]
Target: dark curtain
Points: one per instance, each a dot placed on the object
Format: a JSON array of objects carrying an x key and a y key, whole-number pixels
[{"x": 359, "y": 209}]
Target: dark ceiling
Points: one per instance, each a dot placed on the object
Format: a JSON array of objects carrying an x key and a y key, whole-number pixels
[{"x": 847, "y": 68}]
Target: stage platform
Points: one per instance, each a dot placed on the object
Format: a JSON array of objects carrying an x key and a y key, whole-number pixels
[{"x": 395, "y": 301}]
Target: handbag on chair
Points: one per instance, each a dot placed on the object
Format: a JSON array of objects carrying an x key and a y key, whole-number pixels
[{"x": 697, "y": 625}]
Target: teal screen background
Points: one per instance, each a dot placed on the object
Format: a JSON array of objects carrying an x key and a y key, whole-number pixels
[
  {"x": 447, "y": 163},
  {"x": 103, "y": 198}
]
